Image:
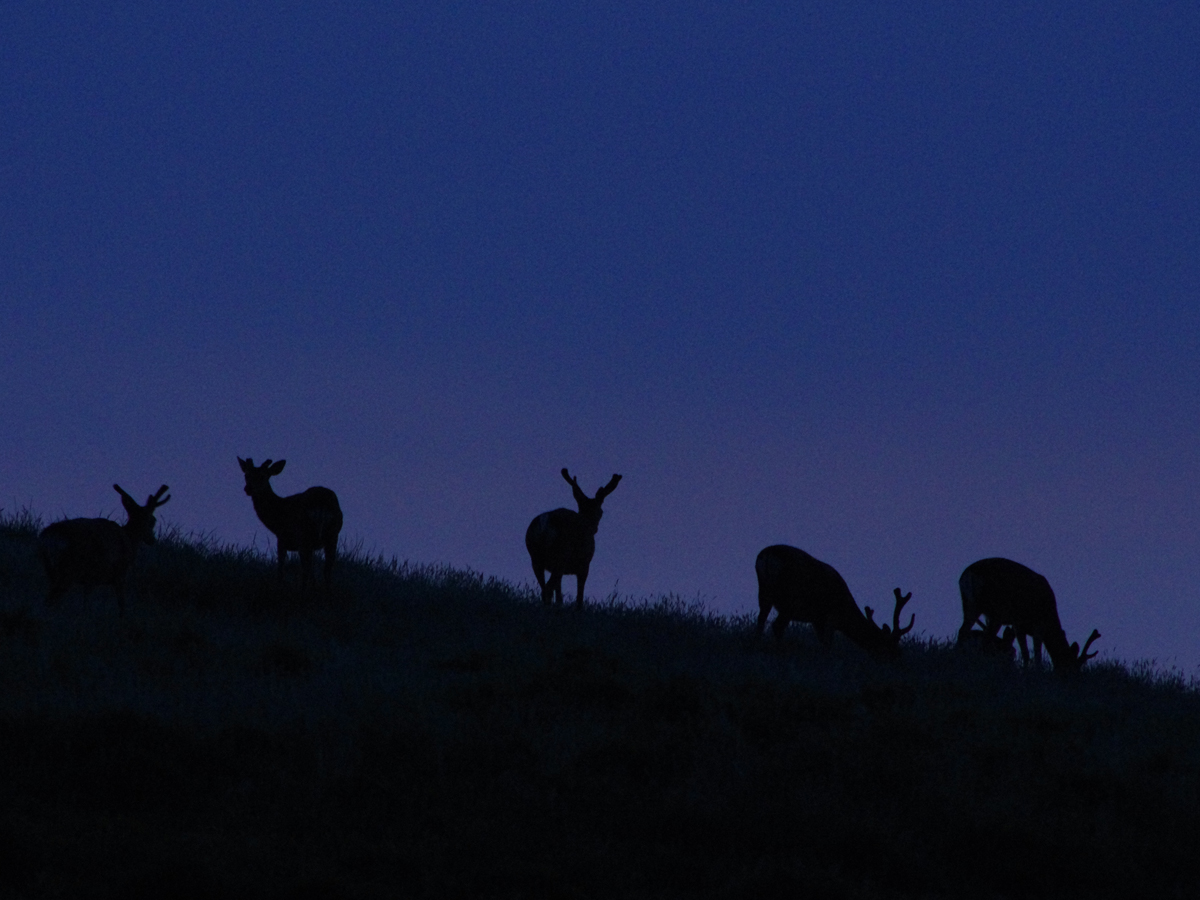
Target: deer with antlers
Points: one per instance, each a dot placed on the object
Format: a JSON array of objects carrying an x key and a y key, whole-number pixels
[
  {"x": 302, "y": 523},
  {"x": 803, "y": 589},
  {"x": 1004, "y": 592},
  {"x": 93, "y": 552},
  {"x": 563, "y": 541}
]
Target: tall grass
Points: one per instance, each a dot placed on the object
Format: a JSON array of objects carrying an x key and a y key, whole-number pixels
[{"x": 434, "y": 732}]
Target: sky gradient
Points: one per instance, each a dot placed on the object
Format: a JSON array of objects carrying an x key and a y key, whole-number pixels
[{"x": 904, "y": 285}]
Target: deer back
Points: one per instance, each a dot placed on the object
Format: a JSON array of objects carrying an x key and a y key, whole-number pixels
[
  {"x": 90, "y": 552},
  {"x": 305, "y": 521},
  {"x": 561, "y": 540},
  {"x": 802, "y": 587},
  {"x": 1008, "y": 593}
]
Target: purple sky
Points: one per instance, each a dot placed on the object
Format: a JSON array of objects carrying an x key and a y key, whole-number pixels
[{"x": 902, "y": 284}]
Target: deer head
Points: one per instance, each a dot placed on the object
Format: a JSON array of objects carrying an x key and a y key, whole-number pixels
[
  {"x": 891, "y": 636},
  {"x": 1077, "y": 658},
  {"x": 589, "y": 507},
  {"x": 141, "y": 518},
  {"x": 258, "y": 478}
]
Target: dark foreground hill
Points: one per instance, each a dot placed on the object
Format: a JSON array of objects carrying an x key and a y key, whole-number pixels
[{"x": 431, "y": 733}]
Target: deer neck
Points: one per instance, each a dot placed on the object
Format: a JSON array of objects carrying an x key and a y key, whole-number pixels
[
  {"x": 268, "y": 506},
  {"x": 131, "y": 538},
  {"x": 1058, "y": 648},
  {"x": 851, "y": 622},
  {"x": 590, "y": 521}
]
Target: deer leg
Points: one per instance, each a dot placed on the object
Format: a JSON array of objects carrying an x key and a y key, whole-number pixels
[
  {"x": 281, "y": 554},
  {"x": 57, "y": 588},
  {"x": 330, "y": 559},
  {"x": 965, "y": 630},
  {"x": 971, "y": 618},
  {"x": 306, "y": 558},
  {"x": 763, "y": 612},
  {"x": 540, "y": 574},
  {"x": 824, "y": 633},
  {"x": 579, "y": 581},
  {"x": 778, "y": 626},
  {"x": 556, "y": 586},
  {"x": 1025, "y": 649},
  {"x": 1037, "y": 648}
]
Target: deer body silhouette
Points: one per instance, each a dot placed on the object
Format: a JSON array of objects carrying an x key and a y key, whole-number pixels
[
  {"x": 1004, "y": 592},
  {"x": 92, "y": 552},
  {"x": 804, "y": 589},
  {"x": 563, "y": 541},
  {"x": 302, "y": 523}
]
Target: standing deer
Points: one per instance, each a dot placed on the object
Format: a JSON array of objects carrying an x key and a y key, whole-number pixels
[
  {"x": 302, "y": 523},
  {"x": 563, "y": 541},
  {"x": 92, "y": 552},
  {"x": 805, "y": 589},
  {"x": 1004, "y": 592}
]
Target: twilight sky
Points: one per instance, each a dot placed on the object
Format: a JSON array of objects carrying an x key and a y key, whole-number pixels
[{"x": 903, "y": 284}]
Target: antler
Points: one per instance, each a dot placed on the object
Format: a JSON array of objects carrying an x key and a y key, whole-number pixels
[
  {"x": 1083, "y": 654},
  {"x": 608, "y": 488},
  {"x": 895, "y": 632},
  {"x": 576, "y": 490},
  {"x": 152, "y": 502}
]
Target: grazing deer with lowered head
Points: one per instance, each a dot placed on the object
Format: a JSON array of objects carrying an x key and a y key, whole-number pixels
[
  {"x": 805, "y": 589},
  {"x": 302, "y": 523},
  {"x": 92, "y": 552},
  {"x": 1004, "y": 592},
  {"x": 563, "y": 542}
]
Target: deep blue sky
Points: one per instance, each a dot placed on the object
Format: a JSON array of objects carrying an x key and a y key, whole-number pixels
[{"x": 902, "y": 284}]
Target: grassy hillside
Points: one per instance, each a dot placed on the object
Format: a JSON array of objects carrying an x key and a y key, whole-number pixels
[{"x": 434, "y": 733}]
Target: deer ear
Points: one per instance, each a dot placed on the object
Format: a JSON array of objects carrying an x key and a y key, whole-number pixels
[
  {"x": 247, "y": 464},
  {"x": 277, "y": 468}
]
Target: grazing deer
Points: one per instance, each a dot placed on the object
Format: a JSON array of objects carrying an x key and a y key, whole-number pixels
[
  {"x": 92, "y": 552},
  {"x": 805, "y": 589},
  {"x": 302, "y": 523},
  {"x": 563, "y": 542},
  {"x": 1004, "y": 592}
]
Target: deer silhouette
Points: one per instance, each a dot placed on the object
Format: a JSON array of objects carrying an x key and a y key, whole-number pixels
[
  {"x": 1004, "y": 592},
  {"x": 563, "y": 541},
  {"x": 804, "y": 589},
  {"x": 92, "y": 552},
  {"x": 302, "y": 523}
]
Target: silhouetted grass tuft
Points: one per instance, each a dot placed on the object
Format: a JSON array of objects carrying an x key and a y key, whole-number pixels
[{"x": 430, "y": 732}]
